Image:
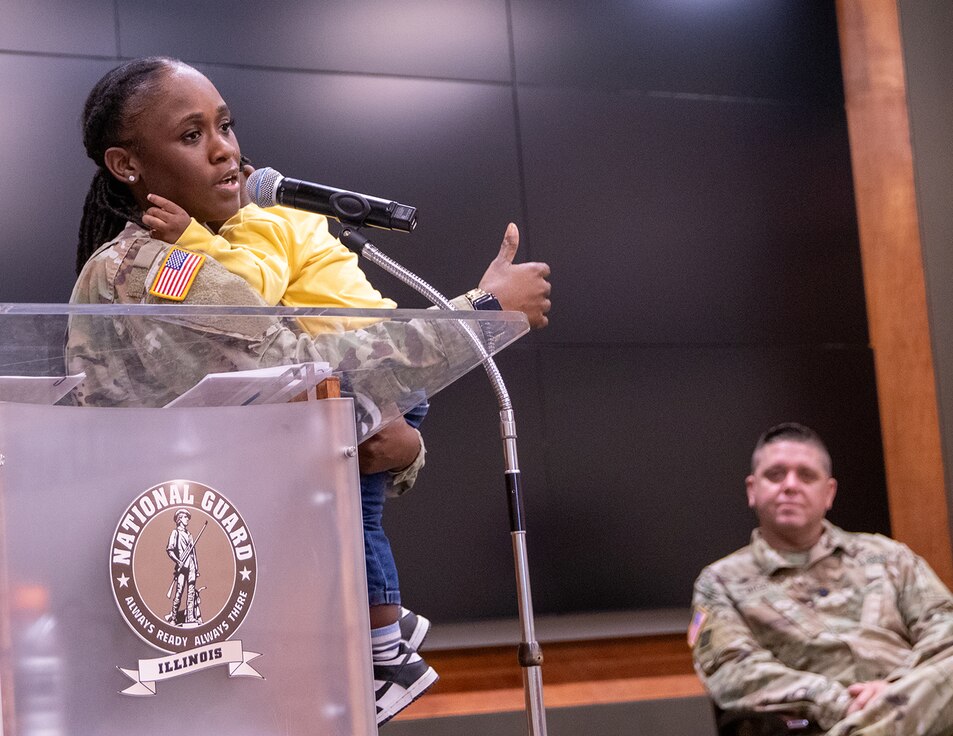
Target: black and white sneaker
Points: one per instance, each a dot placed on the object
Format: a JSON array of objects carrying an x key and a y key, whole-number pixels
[
  {"x": 400, "y": 681},
  {"x": 413, "y": 628}
]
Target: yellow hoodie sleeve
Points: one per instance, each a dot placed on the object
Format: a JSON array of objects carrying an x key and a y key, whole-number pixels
[{"x": 251, "y": 245}]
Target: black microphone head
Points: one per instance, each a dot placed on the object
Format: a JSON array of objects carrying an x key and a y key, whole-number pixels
[{"x": 262, "y": 187}]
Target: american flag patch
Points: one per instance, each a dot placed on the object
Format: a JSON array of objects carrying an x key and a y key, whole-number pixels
[
  {"x": 699, "y": 616},
  {"x": 176, "y": 275}
]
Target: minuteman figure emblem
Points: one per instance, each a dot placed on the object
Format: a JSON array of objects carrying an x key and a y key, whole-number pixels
[{"x": 181, "y": 550}]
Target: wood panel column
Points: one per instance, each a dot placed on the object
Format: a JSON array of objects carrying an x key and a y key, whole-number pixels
[{"x": 891, "y": 252}]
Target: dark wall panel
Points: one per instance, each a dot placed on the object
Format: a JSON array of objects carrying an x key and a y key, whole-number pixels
[
  {"x": 778, "y": 49},
  {"x": 668, "y": 219},
  {"x": 456, "y": 164},
  {"x": 47, "y": 173},
  {"x": 684, "y": 168},
  {"x": 643, "y": 471},
  {"x": 928, "y": 57},
  {"x": 58, "y": 27},
  {"x": 464, "y": 39},
  {"x": 451, "y": 532},
  {"x": 661, "y": 444}
]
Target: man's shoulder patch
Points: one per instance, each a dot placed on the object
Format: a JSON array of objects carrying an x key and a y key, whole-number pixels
[
  {"x": 699, "y": 619},
  {"x": 176, "y": 274}
]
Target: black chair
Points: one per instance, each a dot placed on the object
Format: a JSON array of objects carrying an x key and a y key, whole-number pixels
[{"x": 751, "y": 723}]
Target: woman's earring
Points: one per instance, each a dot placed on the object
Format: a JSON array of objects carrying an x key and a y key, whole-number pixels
[{"x": 132, "y": 178}]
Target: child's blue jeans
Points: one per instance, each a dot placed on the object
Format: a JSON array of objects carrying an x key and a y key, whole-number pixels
[{"x": 383, "y": 586}]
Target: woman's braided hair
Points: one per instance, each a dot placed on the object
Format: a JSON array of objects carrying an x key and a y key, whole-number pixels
[{"x": 106, "y": 116}]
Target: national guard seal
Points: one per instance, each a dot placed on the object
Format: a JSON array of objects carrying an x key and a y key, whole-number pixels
[{"x": 184, "y": 572}]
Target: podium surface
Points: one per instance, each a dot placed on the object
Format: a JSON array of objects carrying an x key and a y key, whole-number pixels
[{"x": 264, "y": 630}]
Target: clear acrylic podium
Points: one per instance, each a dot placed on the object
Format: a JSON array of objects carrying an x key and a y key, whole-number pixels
[{"x": 262, "y": 629}]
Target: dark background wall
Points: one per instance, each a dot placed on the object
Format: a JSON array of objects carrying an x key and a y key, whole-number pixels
[
  {"x": 928, "y": 59},
  {"x": 682, "y": 165}
]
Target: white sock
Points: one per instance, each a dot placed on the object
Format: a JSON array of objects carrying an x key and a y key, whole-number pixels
[{"x": 385, "y": 642}]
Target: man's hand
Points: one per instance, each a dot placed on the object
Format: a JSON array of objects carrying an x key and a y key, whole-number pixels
[
  {"x": 863, "y": 693},
  {"x": 165, "y": 219},
  {"x": 392, "y": 448},
  {"x": 520, "y": 287}
]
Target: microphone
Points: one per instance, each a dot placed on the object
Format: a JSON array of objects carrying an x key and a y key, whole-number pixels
[{"x": 266, "y": 188}]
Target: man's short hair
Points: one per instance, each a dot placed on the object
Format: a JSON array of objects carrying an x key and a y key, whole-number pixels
[{"x": 792, "y": 432}]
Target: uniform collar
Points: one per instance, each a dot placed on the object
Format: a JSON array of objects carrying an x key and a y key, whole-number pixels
[{"x": 771, "y": 560}]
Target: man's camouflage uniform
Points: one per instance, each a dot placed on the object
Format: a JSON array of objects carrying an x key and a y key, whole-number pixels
[
  {"x": 789, "y": 633},
  {"x": 137, "y": 361}
]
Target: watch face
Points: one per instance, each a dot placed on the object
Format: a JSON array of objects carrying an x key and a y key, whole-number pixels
[
  {"x": 487, "y": 301},
  {"x": 480, "y": 299}
]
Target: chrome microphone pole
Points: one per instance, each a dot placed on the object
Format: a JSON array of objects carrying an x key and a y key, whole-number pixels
[{"x": 529, "y": 653}]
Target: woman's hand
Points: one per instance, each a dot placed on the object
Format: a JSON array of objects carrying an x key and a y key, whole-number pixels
[{"x": 520, "y": 287}]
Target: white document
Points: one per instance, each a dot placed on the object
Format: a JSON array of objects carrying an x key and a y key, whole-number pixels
[
  {"x": 37, "y": 389},
  {"x": 260, "y": 386}
]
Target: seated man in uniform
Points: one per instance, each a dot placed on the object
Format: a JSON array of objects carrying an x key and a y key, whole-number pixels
[{"x": 852, "y": 632}]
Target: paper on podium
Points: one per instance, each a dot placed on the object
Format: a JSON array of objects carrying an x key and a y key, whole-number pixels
[
  {"x": 260, "y": 386},
  {"x": 37, "y": 389}
]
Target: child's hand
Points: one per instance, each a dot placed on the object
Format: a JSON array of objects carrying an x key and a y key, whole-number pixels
[
  {"x": 247, "y": 170},
  {"x": 165, "y": 219},
  {"x": 392, "y": 448}
]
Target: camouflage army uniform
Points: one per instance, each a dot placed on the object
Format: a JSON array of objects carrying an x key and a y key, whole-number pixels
[
  {"x": 389, "y": 367},
  {"x": 774, "y": 632},
  {"x": 136, "y": 361}
]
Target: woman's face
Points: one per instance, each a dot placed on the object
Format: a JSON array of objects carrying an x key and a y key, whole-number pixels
[{"x": 184, "y": 147}]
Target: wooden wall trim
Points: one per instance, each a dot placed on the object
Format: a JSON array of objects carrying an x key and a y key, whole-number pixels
[
  {"x": 489, "y": 668},
  {"x": 596, "y": 671},
  {"x": 891, "y": 253}
]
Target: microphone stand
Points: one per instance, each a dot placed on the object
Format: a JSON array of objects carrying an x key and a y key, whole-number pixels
[{"x": 529, "y": 653}]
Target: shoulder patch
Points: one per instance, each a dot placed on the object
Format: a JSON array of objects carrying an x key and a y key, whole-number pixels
[
  {"x": 176, "y": 274},
  {"x": 699, "y": 617}
]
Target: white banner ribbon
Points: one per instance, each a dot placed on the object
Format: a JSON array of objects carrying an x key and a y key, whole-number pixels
[{"x": 151, "y": 671}]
